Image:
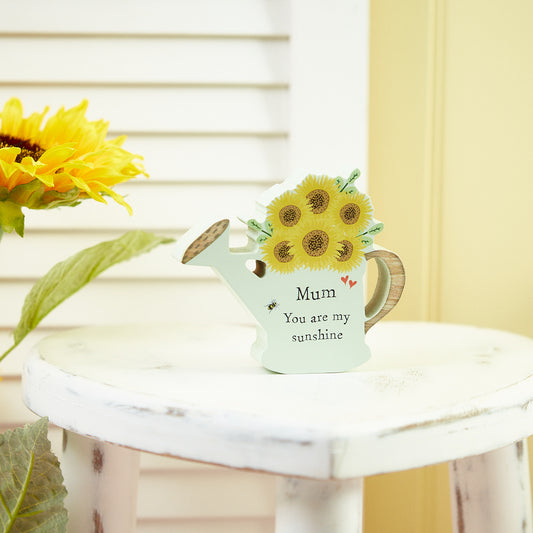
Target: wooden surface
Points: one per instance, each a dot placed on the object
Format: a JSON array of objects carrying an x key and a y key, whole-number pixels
[{"x": 430, "y": 393}]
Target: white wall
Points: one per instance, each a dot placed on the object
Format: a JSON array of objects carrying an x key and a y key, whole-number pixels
[{"x": 223, "y": 99}]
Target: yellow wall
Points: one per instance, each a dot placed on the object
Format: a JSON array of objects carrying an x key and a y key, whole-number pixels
[{"x": 451, "y": 175}]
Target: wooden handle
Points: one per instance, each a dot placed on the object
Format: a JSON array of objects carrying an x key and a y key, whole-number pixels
[{"x": 389, "y": 288}]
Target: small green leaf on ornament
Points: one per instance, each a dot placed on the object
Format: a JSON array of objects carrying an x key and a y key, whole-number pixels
[
  {"x": 354, "y": 175},
  {"x": 268, "y": 226},
  {"x": 366, "y": 241},
  {"x": 350, "y": 190},
  {"x": 377, "y": 228},
  {"x": 253, "y": 224},
  {"x": 261, "y": 238}
]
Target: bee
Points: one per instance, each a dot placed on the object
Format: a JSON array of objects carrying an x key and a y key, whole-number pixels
[{"x": 272, "y": 305}]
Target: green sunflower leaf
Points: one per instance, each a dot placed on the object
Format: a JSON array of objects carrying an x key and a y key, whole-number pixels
[
  {"x": 67, "y": 277},
  {"x": 11, "y": 218},
  {"x": 367, "y": 241},
  {"x": 28, "y": 194},
  {"x": 31, "y": 484}
]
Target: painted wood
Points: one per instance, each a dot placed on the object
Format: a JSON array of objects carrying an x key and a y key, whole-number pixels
[
  {"x": 431, "y": 393},
  {"x": 234, "y": 110},
  {"x": 101, "y": 480},
  {"x": 311, "y": 506},
  {"x": 328, "y": 94},
  {"x": 491, "y": 493},
  {"x": 130, "y": 60},
  {"x": 389, "y": 287},
  {"x": 268, "y": 18}
]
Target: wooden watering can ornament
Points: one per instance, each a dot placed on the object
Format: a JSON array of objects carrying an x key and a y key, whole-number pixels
[{"x": 311, "y": 240}]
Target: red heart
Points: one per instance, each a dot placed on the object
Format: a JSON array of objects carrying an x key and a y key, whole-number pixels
[
  {"x": 352, "y": 283},
  {"x": 344, "y": 279}
]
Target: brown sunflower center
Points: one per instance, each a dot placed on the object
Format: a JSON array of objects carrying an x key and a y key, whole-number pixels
[
  {"x": 27, "y": 148},
  {"x": 315, "y": 243},
  {"x": 282, "y": 252},
  {"x": 290, "y": 215},
  {"x": 346, "y": 251},
  {"x": 349, "y": 213},
  {"x": 318, "y": 200}
]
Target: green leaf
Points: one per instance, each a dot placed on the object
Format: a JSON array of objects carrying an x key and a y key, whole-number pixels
[
  {"x": 268, "y": 226},
  {"x": 354, "y": 175},
  {"x": 67, "y": 277},
  {"x": 374, "y": 230},
  {"x": 31, "y": 484},
  {"x": 28, "y": 194},
  {"x": 367, "y": 241},
  {"x": 261, "y": 238},
  {"x": 253, "y": 224},
  {"x": 11, "y": 218}
]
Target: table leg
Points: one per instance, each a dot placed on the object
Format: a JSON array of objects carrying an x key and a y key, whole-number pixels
[
  {"x": 101, "y": 480},
  {"x": 491, "y": 493},
  {"x": 316, "y": 506}
]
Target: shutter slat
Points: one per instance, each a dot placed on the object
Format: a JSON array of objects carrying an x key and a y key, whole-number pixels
[
  {"x": 211, "y": 158},
  {"x": 267, "y": 18},
  {"x": 119, "y": 302},
  {"x": 165, "y": 109},
  {"x": 156, "y": 207},
  {"x": 145, "y": 61}
]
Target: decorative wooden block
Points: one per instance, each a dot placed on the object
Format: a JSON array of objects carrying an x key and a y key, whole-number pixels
[{"x": 310, "y": 241}]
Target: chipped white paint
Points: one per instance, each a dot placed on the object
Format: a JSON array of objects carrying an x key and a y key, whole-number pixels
[
  {"x": 312, "y": 506},
  {"x": 430, "y": 393},
  {"x": 491, "y": 493},
  {"x": 102, "y": 485}
]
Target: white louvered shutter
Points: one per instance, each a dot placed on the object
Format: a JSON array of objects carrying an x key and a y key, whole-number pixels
[{"x": 222, "y": 104}]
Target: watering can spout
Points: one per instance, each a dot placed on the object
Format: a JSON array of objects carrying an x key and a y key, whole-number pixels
[{"x": 211, "y": 248}]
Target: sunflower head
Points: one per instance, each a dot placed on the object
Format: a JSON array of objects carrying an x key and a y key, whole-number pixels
[
  {"x": 352, "y": 212},
  {"x": 318, "y": 192},
  {"x": 62, "y": 162},
  {"x": 349, "y": 255},
  {"x": 317, "y": 243},
  {"x": 287, "y": 211},
  {"x": 279, "y": 253}
]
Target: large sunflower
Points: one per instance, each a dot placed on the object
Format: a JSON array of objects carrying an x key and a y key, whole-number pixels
[{"x": 60, "y": 163}]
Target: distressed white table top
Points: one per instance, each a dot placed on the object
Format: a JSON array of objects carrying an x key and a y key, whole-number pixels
[{"x": 430, "y": 393}]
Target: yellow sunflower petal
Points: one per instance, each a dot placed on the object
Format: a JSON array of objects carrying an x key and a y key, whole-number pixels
[
  {"x": 117, "y": 197},
  {"x": 9, "y": 153},
  {"x": 56, "y": 155},
  {"x": 11, "y": 116}
]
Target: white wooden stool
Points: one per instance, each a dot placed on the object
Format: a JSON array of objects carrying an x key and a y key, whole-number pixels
[{"x": 430, "y": 393}]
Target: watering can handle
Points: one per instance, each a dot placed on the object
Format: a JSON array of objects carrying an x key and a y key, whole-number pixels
[{"x": 389, "y": 288}]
